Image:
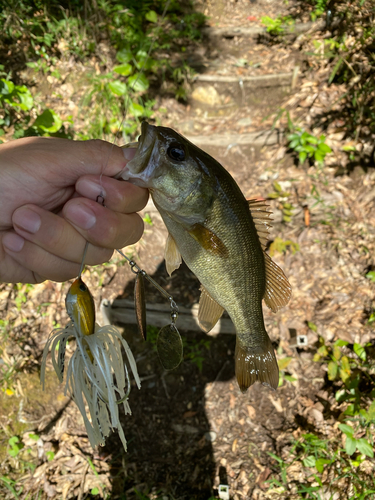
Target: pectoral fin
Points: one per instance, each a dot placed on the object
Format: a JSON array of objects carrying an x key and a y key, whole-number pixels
[
  {"x": 209, "y": 311},
  {"x": 208, "y": 240},
  {"x": 278, "y": 289},
  {"x": 172, "y": 255}
]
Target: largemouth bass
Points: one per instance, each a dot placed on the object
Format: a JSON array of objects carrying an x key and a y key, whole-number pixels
[{"x": 221, "y": 236}]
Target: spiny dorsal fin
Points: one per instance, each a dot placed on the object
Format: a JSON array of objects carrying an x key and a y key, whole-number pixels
[
  {"x": 172, "y": 255},
  {"x": 209, "y": 311},
  {"x": 261, "y": 215},
  {"x": 278, "y": 289}
]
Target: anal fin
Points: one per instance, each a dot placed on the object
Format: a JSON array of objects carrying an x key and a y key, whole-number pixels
[
  {"x": 256, "y": 364},
  {"x": 209, "y": 311}
]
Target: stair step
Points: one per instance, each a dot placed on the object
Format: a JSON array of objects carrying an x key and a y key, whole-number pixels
[{"x": 255, "y": 31}]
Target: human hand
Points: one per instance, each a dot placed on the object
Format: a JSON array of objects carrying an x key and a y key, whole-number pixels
[{"x": 48, "y": 208}]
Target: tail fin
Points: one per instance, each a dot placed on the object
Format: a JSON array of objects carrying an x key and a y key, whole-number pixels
[{"x": 256, "y": 364}]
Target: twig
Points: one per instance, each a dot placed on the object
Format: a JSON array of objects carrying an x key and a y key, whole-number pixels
[{"x": 82, "y": 486}]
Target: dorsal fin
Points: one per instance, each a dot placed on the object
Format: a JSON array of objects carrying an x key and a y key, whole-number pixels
[
  {"x": 172, "y": 255},
  {"x": 278, "y": 289},
  {"x": 261, "y": 215},
  {"x": 209, "y": 311}
]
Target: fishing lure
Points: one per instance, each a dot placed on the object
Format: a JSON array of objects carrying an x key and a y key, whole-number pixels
[{"x": 97, "y": 376}]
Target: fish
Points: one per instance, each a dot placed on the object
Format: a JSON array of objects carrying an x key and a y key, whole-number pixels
[{"x": 222, "y": 238}]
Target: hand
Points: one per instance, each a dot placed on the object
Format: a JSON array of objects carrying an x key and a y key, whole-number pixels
[{"x": 48, "y": 208}]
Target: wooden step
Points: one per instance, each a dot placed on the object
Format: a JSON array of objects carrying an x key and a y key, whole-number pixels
[{"x": 122, "y": 311}]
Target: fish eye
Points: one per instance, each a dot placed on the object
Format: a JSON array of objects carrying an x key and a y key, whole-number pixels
[
  {"x": 82, "y": 287},
  {"x": 176, "y": 152}
]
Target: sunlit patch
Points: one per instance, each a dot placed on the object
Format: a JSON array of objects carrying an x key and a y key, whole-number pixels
[{"x": 97, "y": 377}]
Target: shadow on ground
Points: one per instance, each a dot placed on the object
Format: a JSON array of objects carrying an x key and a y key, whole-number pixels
[{"x": 169, "y": 436}]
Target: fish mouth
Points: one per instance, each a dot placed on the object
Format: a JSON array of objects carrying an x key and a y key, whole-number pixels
[{"x": 146, "y": 143}]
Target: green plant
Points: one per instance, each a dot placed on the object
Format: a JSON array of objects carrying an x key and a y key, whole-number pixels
[
  {"x": 15, "y": 446},
  {"x": 282, "y": 246},
  {"x": 320, "y": 8},
  {"x": 278, "y": 25},
  {"x": 11, "y": 485},
  {"x": 308, "y": 146},
  {"x": 148, "y": 220},
  {"x": 194, "y": 351},
  {"x": 283, "y": 375},
  {"x": 352, "y": 369},
  {"x": 16, "y": 107},
  {"x": 282, "y": 196}
]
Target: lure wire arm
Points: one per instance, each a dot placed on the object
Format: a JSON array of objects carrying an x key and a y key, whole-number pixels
[{"x": 137, "y": 270}]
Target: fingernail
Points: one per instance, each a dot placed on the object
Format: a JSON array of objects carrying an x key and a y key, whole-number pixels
[
  {"x": 27, "y": 219},
  {"x": 91, "y": 189},
  {"x": 129, "y": 153},
  {"x": 13, "y": 242},
  {"x": 80, "y": 216}
]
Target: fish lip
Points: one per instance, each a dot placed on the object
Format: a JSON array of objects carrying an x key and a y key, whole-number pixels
[{"x": 144, "y": 151}]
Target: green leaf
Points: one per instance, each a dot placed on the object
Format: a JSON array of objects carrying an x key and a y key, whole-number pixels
[
  {"x": 345, "y": 369},
  {"x": 312, "y": 140},
  {"x": 124, "y": 69},
  {"x": 95, "y": 491},
  {"x": 318, "y": 156},
  {"x": 341, "y": 343},
  {"x": 335, "y": 70},
  {"x": 151, "y": 16},
  {"x": 27, "y": 101},
  {"x": 371, "y": 276},
  {"x": 371, "y": 411},
  {"x": 117, "y": 87},
  {"x": 283, "y": 363},
  {"x": 340, "y": 395},
  {"x": 124, "y": 55},
  {"x": 302, "y": 156},
  {"x": 350, "y": 445},
  {"x": 13, "y": 440},
  {"x": 48, "y": 121},
  {"x": 324, "y": 148},
  {"x": 320, "y": 463},
  {"x": 138, "y": 82},
  {"x": 34, "y": 437},
  {"x": 6, "y": 87},
  {"x": 136, "y": 109},
  {"x": 336, "y": 352},
  {"x": 323, "y": 351},
  {"x": 365, "y": 447},
  {"x": 312, "y": 326},
  {"x": 332, "y": 370},
  {"x": 50, "y": 455},
  {"x": 360, "y": 351},
  {"x": 346, "y": 429},
  {"x": 309, "y": 461},
  {"x": 310, "y": 149}
]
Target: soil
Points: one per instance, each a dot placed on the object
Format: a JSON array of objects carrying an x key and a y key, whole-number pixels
[{"x": 192, "y": 429}]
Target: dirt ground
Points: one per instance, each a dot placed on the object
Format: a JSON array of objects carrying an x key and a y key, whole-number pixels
[{"x": 192, "y": 429}]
